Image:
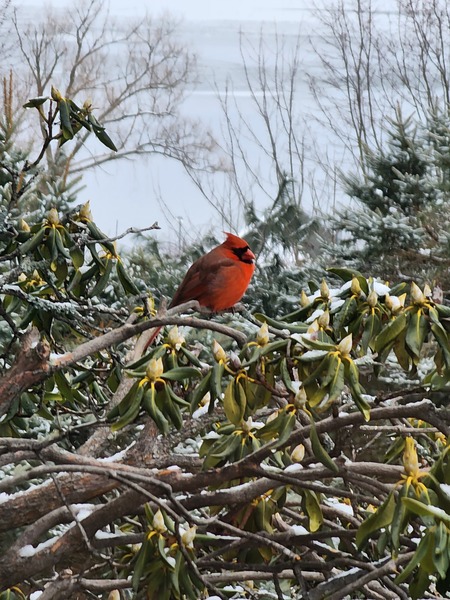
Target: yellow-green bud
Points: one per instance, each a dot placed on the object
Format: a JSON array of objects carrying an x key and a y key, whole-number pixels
[
  {"x": 300, "y": 398},
  {"x": 262, "y": 337},
  {"x": 417, "y": 295},
  {"x": 218, "y": 352},
  {"x": 53, "y": 217},
  {"x": 23, "y": 225},
  {"x": 22, "y": 278},
  {"x": 355, "y": 287},
  {"x": 158, "y": 522},
  {"x": 304, "y": 301},
  {"x": 372, "y": 299},
  {"x": 345, "y": 345},
  {"x": 188, "y": 536},
  {"x": 298, "y": 453},
  {"x": 114, "y": 595},
  {"x": 175, "y": 339},
  {"x": 314, "y": 327},
  {"x": 85, "y": 211},
  {"x": 324, "y": 320},
  {"x": 56, "y": 94},
  {"x": 154, "y": 369},
  {"x": 427, "y": 291},
  {"x": 324, "y": 290}
]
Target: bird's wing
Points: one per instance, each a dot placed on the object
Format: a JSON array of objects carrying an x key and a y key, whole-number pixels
[{"x": 201, "y": 277}]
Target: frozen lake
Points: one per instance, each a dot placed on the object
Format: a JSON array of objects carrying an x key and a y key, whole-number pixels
[{"x": 129, "y": 193}]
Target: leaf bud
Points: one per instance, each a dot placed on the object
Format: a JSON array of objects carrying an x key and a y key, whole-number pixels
[
  {"x": 56, "y": 94},
  {"x": 324, "y": 320},
  {"x": 85, "y": 211},
  {"x": 218, "y": 352},
  {"x": 53, "y": 217},
  {"x": 345, "y": 345},
  {"x": 304, "y": 301},
  {"x": 355, "y": 287},
  {"x": 188, "y": 536},
  {"x": 427, "y": 291},
  {"x": 372, "y": 299},
  {"x": 324, "y": 290},
  {"x": 154, "y": 369},
  {"x": 23, "y": 225},
  {"x": 158, "y": 522},
  {"x": 410, "y": 458},
  {"x": 417, "y": 295},
  {"x": 175, "y": 339},
  {"x": 262, "y": 337},
  {"x": 298, "y": 453}
]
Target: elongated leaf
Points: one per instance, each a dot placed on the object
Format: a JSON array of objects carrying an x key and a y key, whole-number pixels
[
  {"x": 390, "y": 332},
  {"x": 319, "y": 451},
  {"x": 313, "y": 510},
  {"x": 382, "y": 517},
  {"x": 442, "y": 339},
  {"x": 416, "y": 332},
  {"x": 292, "y": 328},
  {"x": 179, "y": 373},
  {"x": 346, "y": 314},
  {"x": 372, "y": 326},
  {"x": 200, "y": 391},
  {"x": 426, "y": 510},
  {"x": 232, "y": 402},
  {"x": 352, "y": 373},
  {"x": 425, "y": 547}
]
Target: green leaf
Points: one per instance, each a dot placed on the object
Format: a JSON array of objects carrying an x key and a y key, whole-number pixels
[
  {"x": 150, "y": 405},
  {"x": 36, "y": 102},
  {"x": 66, "y": 126},
  {"x": 346, "y": 314},
  {"x": 125, "y": 280},
  {"x": 319, "y": 451},
  {"x": 426, "y": 510},
  {"x": 441, "y": 337},
  {"x": 382, "y": 517},
  {"x": 389, "y": 333},
  {"x": 352, "y": 373},
  {"x": 216, "y": 382},
  {"x": 277, "y": 324},
  {"x": 132, "y": 411},
  {"x": 313, "y": 510},
  {"x": 179, "y": 373},
  {"x": 103, "y": 280},
  {"x": 426, "y": 546},
  {"x": 234, "y": 402},
  {"x": 372, "y": 326},
  {"x": 200, "y": 391},
  {"x": 348, "y": 274},
  {"x": 416, "y": 332},
  {"x": 33, "y": 242}
]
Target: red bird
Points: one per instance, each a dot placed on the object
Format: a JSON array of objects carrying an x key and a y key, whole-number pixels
[{"x": 218, "y": 279}]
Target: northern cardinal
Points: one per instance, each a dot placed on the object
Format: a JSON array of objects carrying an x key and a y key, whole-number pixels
[{"x": 218, "y": 279}]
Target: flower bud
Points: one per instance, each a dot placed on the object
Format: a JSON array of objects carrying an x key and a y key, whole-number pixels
[
  {"x": 372, "y": 299},
  {"x": 23, "y": 225},
  {"x": 298, "y": 453},
  {"x": 175, "y": 339},
  {"x": 22, "y": 278},
  {"x": 188, "y": 536},
  {"x": 114, "y": 595},
  {"x": 304, "y": 301},
  {"x": 427, "y": 291},
  {"x": 155, "y": 369},
  {"x": 345, "y": 345},
  {"x": 218, "y": 352},
  {"x": 300, "y": 398},
  {"x": 262, "y": 337},
  {"x": 410, "y": 458},
  {"x": 324, "y": 290},
  {"x": 53, "y": 217},
  {"x": 158, "y": 522},
  {"x": 417, "y": 295},
  {"x": 355, "y": 287},
  {"x": 324, "y": 320},
  {"x": 85, "y": 211},
  {"x": 56, "y": 94}
]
